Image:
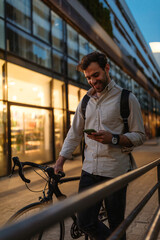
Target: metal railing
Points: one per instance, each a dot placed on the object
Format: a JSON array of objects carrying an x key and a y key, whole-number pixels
[{"x": 69, "y": 206}]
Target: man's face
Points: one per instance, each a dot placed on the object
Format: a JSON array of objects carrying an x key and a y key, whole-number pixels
[{"x": 97, "y": 77}]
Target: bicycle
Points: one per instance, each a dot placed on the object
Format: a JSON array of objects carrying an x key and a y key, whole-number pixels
[{"x": 51, "y": 188}]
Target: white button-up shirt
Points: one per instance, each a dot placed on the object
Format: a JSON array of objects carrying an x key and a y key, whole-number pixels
[{"x": 103, "y": 113}]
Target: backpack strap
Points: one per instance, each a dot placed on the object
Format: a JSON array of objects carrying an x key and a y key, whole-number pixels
[
  {"x": 84, "y": 105},
  {"x": 124, "y": 108}
]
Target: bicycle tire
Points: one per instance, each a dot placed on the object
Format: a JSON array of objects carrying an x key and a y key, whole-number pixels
[{"x": 49, "y": 234}]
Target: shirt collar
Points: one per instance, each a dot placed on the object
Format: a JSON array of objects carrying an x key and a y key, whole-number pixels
[{"x": 91, "y": 91}]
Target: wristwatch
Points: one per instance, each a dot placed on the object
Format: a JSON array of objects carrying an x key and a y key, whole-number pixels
[{"x": 115, "y": 139}]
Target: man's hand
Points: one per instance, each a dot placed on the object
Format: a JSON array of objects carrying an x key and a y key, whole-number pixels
[
  {"x": 101, "y": 136},
  {"x": 105, "y": 137},
  {"x": 59, "y": 164}
]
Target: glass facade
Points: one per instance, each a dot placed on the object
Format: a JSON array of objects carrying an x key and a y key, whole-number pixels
[
  {"x": 41, "y": 20},
  {"x": 73, "y": 97},
  {"x": 83, "y": 47},
  {"x": 27, "y": 47},
  {"x": 57, "y": 31},
  {"x": 58, "y": 62},
  {"x": 2, "y": 8},
  {"x": 59, "y": 104},
  {"x": 19, "y": 13},
  {"x": 30, "y": 134},
  {"x": 26, "y": 86},
  {"x": 72, "y": 72},
  {"x": 3, "y": 139},
  {"x": 42, "y": 88},
  {"x": 72, "y": 42},
  {"x": 2, "y": 35}
]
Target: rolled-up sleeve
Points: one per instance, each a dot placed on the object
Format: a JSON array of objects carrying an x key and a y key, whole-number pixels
[
  {"x": 136, "y": 132},
  {"x": 74, "y": 134}
]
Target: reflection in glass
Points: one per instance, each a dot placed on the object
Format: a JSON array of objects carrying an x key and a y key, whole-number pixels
[
  {"x": 59, "y": 130},
  {"x": 73, "y": 97},
  {"x": 58, "y": 62},
  {"x": 27, "y": 86},
  {"x": 72, "y": 42},
  {"x": 92, "y": 48},
  {"x": 1, "y": 77},
  {"x": 2, "y": 34},
  {"x": 3, "y": 139},
  {"x": 82, "y": 78},
  {"x": 31, "y": 134},
  {"x": 19, "y": 13},
  {"x": 41, "y": 22},
  {"x": 57, "y": 31},
  {"x": 27, "y": 47},
  {"x": 72, "y": 72},
  {"x": 2, "y": 8},
  {"x": 58, "y": 97},
  {"x": 83, "y": 47}
]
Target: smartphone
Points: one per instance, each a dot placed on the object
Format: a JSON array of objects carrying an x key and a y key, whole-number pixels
[{"x": 89, "y": 131}]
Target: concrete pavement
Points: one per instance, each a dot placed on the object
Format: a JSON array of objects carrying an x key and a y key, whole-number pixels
[{"x": 14, "y": 195}]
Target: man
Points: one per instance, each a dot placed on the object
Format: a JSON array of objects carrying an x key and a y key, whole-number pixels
[{"x": 105, "y": 150}]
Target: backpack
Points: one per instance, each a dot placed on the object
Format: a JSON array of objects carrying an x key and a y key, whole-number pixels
[{"x": 124, "y": 111}]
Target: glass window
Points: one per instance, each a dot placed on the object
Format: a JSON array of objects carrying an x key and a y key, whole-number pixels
[
  {"x": 72, "y": 42},
  {"x": 2, "y": 38},
  {"x": 58, "y": 130},
  {"x": 73, "y": 97},
  {"x": 92, "y": 48},
  {"x": 83, "y": 47},
  {"x": 3, "y": 139},
  {"x": 72, "y": 72},
  {"x": 2, "y": 8},
  {"x": 2, "y": 79},
  {"x": 27, "y": 47},
  {"x": 19, "y": 13},
  {"x": 82, "y": 78},
  {"x": 58, "y": 96},
  {"x": 82, "y": 93},
  {"x": 31, "y": 135},
  {"x": 58, "y": 62},
  {"x": 28, "y": 87},
  {"x": 136, "y": 89},
  {"x": 41, "y": 22},
  {"x": 57, "y": 31}
]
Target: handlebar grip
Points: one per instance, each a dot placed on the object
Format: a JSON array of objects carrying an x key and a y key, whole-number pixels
[
  {"x": 62, "y": 174},
  {"x": 51, "y": 173},
  {"x": 20, "y": 171}
]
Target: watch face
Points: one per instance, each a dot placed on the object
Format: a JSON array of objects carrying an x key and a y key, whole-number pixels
[{"x": 114, "y": 140}]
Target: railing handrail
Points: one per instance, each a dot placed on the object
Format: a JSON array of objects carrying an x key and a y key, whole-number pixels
[{"x": 69, "y": 206}]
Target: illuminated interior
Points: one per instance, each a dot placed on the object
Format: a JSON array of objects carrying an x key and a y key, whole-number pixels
[
  {"x": 30, "y": 133},
  {"x": 26, "y": 86}
]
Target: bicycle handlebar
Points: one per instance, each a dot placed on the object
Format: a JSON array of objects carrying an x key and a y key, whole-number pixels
[
  {"x": 20, "y": 171},
  {"x": 49, "y": 170}
]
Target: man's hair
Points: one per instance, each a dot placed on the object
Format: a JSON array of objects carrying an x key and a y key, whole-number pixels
[{"x": 98, "y": 57}]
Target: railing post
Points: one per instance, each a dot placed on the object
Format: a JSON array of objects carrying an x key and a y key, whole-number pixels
[{"x": 158, "y": 178}]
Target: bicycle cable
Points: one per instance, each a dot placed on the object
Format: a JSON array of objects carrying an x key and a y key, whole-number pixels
[
  {"x": 35, "y": 190},
  {"x": 42, "y": 178}
]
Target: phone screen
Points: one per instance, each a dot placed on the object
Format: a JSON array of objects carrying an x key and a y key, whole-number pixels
[{"x": 89, "y": 131}]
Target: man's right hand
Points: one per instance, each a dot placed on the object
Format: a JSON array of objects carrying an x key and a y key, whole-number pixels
[{"x": 59, "y": 164}]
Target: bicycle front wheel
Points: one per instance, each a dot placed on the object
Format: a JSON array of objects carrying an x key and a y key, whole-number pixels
[{"x": 56, "y": 232}]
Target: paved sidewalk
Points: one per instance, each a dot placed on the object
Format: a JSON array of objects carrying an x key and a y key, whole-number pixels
[{"x": 14, "y": 195}]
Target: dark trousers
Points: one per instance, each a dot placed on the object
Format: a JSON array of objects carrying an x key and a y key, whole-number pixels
[{"x": 115, "y": 205}]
